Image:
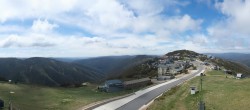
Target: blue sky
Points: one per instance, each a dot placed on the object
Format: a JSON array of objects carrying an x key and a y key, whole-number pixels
[{"x": 84, "y": 28}]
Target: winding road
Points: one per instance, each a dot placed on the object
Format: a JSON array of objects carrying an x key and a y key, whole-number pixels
[{"x": 143, "y": 97}]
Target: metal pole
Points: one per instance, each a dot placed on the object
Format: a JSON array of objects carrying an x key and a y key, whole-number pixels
[
  {"x": 201, "y": 82},
  {"x": 10, "y": 103},
  {"x": 201, "y": 104},
  {"x": 10, "y": 106},
  {"x": 200, "y": 87}
]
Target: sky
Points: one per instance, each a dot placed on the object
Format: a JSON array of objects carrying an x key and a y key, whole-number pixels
[{"x": 89, "y": 28}]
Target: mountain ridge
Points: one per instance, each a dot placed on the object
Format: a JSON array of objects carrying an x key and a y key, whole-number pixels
[
  {"x": 243, "y": 58},
  {"x": 113, "y": 66},
  {"x": 45, "y": 71},
  {"x": 51, "y": 72}
]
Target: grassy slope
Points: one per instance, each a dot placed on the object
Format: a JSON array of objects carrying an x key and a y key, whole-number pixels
[
  {"x": 28, "y": 97},
  {"x": 234, "y": 66},
  {"x": 220, "y": 93}
]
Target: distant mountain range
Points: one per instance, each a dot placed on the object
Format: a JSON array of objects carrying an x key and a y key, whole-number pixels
[
  {"x": 238, "y": 57},
  {"x": 45, "y": 71},
  {"x": 114, "y": 66},
  {"x": 66, "y": 71},
  {"x": 74, "y": 71}
]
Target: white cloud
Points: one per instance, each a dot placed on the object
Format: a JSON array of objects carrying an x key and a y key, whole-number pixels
[
  {"x": 43, "y": 26},
  {"x": 237, "y": 12},
  {"x": 118, "y": 27},
  {"x": 23, "y": 9},
  {"x": 199, "y": 39},
  {"x": 100, "y": 17},
  {"x": 25, "y": 41},
  {"x": 184, "y": 23},
  {"x": 147, "y": 7},
  {"x": 232, "y": 32},
  {"x": 11, "y": 29}
]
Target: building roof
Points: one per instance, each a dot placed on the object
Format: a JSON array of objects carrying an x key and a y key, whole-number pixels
[
  {"x": 193, "y": 87},
  {"x": 115, "y": 81},
  {"x": 179, "y": 69},
  {"x": 162, "y": 66},
  {"x": 239, "y": 75},
  {"x": 136, "y": 81},
  {"x": 166, "y": 65}
]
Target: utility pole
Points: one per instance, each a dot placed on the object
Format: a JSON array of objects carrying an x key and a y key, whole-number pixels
[
  {"x": 201, "y": 80},
  {"x": 201, "y": 103},
  {"x": 200, "y": 87},
  {"x": 10, "y": 103}
]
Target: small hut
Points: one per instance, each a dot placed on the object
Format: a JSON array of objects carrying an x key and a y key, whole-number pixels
[
  {"x": 111, "y": 86},
  {"x": 193, "y": 90},
  {"x": 239, "y": 76}
]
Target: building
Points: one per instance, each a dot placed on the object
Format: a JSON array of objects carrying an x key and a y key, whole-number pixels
[
  {"x": 160, "y": 78},
  {"x": 111, "y": 86},
  {"x": 136, "y": 83},
  {"x": 165, "y": 61},
  {"x": 228, "y": 71},
  {"x": 216, "y": 67},
  {"x": 85, "y": 84},
  {"x": 239, "y": 76},
  {"x": 210, "y": 56},
  {"x": 193, "y": 90},
  {"x": 162, "y": 70},
  {"x": 169, "y": 70},
  {"x": 206, "y": 63}
]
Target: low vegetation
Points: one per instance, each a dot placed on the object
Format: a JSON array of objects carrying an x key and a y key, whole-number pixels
[
  {"x": 28, "y": 97},
  {"x": 182, "y": 53},
  {"x": 139, "y": 71},
  {"x": 234, "y": 66},
  {"x": 237, "y": 57},
  {"x": 220, "y": 93},
  {"x": 116, "y": 66}
]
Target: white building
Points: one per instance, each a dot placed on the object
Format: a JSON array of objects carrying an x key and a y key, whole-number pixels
[
  {"x": 162, "y": 70},
  {"x": 239, "y": 76}
]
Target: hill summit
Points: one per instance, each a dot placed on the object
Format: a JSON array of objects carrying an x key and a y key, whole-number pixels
[{"x": 183, "y": 53}]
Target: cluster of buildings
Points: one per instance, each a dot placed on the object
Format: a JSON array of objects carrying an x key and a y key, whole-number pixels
[
  {"x": 167, "y": 68},
  {"x": 170, "y": 66},
  {"x": 237, "y": 75}
]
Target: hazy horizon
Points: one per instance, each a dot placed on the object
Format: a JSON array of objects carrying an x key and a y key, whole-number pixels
[{"x": 113, "y": 56}]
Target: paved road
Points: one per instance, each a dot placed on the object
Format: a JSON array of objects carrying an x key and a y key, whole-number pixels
[
  {"x": 135, "y": 103},
  {"x": 145, "y": 98}
]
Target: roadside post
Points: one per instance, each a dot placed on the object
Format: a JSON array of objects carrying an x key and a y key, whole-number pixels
[
  {"x": 201, "y": 103},
  {"x": 10, "y": 103}
]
